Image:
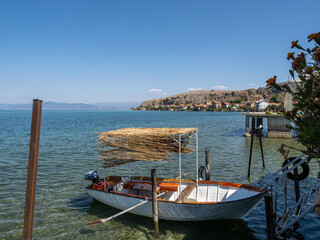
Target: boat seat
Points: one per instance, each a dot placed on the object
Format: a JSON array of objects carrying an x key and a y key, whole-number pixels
[
  {"x": 185, "y": 193},
  {"x": 164, "y": 186},
  {"x": 168, "y": 187}
]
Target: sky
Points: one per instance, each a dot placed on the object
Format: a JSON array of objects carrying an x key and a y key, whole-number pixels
[{"x": 129, "y": 51}]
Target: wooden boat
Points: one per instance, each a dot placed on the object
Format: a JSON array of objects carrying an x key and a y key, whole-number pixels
[
  {"x": 211, "y": 200},
  {"x": 178, "y": 199}
]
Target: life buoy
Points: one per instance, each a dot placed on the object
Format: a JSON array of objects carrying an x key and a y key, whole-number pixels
[
  {"x": 98, "y": 186},
  {"x": 301, "y": 176},
  {"x": 203, "y": 170}
]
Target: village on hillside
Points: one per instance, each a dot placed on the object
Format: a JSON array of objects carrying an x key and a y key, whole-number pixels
[{"x": 238, "y": 105}]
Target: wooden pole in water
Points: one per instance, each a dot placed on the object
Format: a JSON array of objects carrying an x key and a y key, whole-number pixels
[
  {"x": 296, "y": 184},
  {"x": 271, "y": 231},
  {"x": 247, "y": 126},
  {"x": 261, "y": 149},
  {"x": 297, "y": 193},
  {"x": 260, "y": 126},
  {"x": 32, "y": 169},
  {"x": 253, "y": 132},
  {"x": 155, "y": 202}
]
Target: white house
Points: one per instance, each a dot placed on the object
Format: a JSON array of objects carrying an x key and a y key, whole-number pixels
[{"x": 260, "y": 106}]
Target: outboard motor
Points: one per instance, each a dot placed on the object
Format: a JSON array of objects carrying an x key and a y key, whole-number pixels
[{"x": 93, "y": 176}]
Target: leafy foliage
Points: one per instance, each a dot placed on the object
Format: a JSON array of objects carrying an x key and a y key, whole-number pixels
[{"x": 305, "y": 92}]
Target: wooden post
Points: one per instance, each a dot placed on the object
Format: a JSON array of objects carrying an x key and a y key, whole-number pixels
[
  {"x": 259, "y": 122},
  {"x": 32, "y": 169},
  {"x": 155, "y": 202},
  {"x": 207, "y": 162},
  {"x": 261, "y": 149},
  {"x": 250, "y": 157},
  {"x": 253, "y": 125},
  {"x": 247, "y": 134},
  {"x": 271, "y": 231},
  {"x": 253, "y": 132},
  {"x": 296, "y": 184},
  {"x": 297, "y": 193}
]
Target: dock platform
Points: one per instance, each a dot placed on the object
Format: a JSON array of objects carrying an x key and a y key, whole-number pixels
[{"x": 276, "y": 124}]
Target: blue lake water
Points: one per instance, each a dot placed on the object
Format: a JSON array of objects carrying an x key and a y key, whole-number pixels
[{"x": 69, "y": 148}]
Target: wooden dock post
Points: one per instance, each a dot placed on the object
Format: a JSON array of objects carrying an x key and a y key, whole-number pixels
[
  {"x": 270, "y": 219},
  {"x": 155, "y": 210},
  {"x": 32, "y": 169},
  {"x": 253, "y": 132},
  {"x": 261, "y": 148},
  {"x": 297, "y": 193},
  {"x": 247, "y": 133},
  {"x": 207, "y": 162}
]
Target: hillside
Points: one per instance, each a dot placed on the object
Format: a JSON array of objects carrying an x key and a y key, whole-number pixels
[{"x": 202, "y": 96}]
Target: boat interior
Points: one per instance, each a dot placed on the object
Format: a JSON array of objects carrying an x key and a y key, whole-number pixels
[{"x": 168, "y": 189}]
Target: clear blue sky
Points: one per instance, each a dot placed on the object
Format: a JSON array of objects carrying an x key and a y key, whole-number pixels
[{"x": 126, "y": 50}]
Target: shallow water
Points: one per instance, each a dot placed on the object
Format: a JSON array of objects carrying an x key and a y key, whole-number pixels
[{"x": 68, "y": 149}]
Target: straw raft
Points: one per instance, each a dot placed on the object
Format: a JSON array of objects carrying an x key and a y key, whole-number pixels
[{"x": 144, "y": 144}]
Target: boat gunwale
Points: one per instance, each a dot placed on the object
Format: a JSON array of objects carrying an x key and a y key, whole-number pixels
[
  {"x": 260, "y": 192},
  {"x": 173, "y": 180}
]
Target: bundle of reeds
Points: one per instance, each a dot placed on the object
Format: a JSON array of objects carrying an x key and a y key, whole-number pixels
[{"x": 143, "y": 144}]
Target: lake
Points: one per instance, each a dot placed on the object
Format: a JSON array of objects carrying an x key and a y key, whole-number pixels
[{"x": 69, "y": 148}]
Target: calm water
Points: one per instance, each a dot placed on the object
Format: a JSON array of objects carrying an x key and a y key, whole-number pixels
[{"x": 68, "y": 150}]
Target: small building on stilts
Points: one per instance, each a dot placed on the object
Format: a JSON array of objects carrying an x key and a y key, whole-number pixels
[{"x": 276, "y": 124}]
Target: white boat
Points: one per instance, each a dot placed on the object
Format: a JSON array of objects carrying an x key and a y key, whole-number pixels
[
  {"x": 179, "y": 199},
  {"x": 210, "y": 200}
]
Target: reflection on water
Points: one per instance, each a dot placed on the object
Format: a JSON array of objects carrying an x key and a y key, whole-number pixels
[
  {"x": 218, "y": 229},
  {"x": 68, "y": 149}
]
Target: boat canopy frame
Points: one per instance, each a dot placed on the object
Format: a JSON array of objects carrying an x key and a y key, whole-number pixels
[
  {"x": 195, "y": 132},
  {"x": 147, "y": 143}
]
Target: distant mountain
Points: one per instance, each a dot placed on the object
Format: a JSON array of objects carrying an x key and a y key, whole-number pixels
[
  {"x": 69, "y": 106},
  {"x": 72, "y": 106},
  {"x": 118, "y": 105},
  {"x": 51, "y": 106},
  {"x": 15, "y": 106}
]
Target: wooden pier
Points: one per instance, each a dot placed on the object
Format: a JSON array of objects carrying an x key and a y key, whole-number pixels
[{"x": 276, "y": 124}]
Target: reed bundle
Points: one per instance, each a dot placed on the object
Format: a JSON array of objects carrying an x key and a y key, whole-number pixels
[{"x": 143, "y": 144}]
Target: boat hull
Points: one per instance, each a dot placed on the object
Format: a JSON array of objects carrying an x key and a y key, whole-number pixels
[{"x": 176, "y": 211}]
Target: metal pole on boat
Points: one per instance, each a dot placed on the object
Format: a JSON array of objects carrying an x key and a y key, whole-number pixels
[
  {"x": 104, "y": 180},
  {"x": 155, "y": 210},
  {"x": 180, "y": 167},
  {"x": 32, "y": 169},
  {"x": 197, "y": 177},
  {"x": 207, "y": 161}
]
